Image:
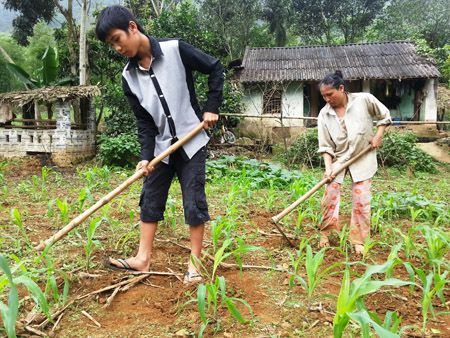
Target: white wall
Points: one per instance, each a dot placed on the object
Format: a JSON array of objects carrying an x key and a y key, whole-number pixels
[
  {"x": 292, "y": 104},
  {"x": 428, "y": 110}
]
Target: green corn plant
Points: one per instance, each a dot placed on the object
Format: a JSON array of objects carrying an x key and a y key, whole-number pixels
[
  {"x": 92, "y": 244},
  {"x": 46, "y": 172},
  {"x": 64, "y": 210},
  {"x": 428, "y": 292},
  {"x": 9, "y": 312},
  {"x": 390, "y": 328},
  {"x": 52, "y": 284},
  {"x": 312, "y": 264},
  {"x": 438, "y": 243},
  {"x": 50, "y": 211},
  {"x": 213, "y": 297},
  {"x": 414, "y": 214},
  {"x": 171, "y": 214},
  {"x": 409, "y": 242},
  {"x": 368, "y": 244},
  {"x": 351, "y": 291},
  {"x": 377, "y": 217},
  {"x": 5, "y": 191},
  {"x": 16, "y": 218}
]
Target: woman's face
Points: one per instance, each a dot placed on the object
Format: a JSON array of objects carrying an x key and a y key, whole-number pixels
[{"x": 332, "y": 95}]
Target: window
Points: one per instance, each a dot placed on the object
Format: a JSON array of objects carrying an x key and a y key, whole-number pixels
[{"x": 272, "y": 102}]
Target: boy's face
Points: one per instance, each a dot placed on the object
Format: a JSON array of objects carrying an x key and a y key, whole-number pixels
[{"x": 125, "y": 43}]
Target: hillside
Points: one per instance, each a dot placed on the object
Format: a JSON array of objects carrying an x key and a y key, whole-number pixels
[{"x": 8, "y": 16}]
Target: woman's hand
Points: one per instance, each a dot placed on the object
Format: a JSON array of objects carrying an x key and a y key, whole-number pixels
[
  {"x": 329, "y": 175},
  {"x": 144, "y": 166},
  {"x": 377, "y": 141}
]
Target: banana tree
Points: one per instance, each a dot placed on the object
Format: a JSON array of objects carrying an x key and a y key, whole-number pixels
[{"x": 44, "y": 76}]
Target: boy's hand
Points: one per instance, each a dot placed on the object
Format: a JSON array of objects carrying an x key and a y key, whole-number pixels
[
  {"x": 209, "y": 119},
  {"x": 144, "y": 166}
]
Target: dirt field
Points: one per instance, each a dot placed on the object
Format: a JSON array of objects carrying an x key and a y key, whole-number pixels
[{"x": 152, "y": 307}]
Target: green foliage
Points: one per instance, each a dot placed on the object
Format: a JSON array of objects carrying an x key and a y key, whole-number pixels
[
  {"x": 304, "y": 150},
  {"x": 400, "y": 147},
  {"x": 38, "y": 43},
  {"x": 122, "y": 150},
  {"x": 185, "y": 22},
  {"x": 8, "y": 81},
  {"x": 255, "y": 174},
  {"x": 352, "y": 291}
]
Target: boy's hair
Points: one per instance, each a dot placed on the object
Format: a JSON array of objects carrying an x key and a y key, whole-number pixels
[{"x": 114, "y": 17}]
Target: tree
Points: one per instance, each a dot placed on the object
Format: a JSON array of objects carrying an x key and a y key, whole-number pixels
[
  {"x": 233, "y": 21},
  {"x": 10, "y": 50},
  {"x": 41, "y": 39},
  {"x": 278, "y": 15},
  {"x": 402, "y": 19},
  {"x": 331, "y": 22},
  {"x": 31, "y": 12}
]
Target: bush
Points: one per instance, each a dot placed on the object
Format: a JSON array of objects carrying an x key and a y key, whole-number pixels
[
  {"x": 400, "y": 150},
  {"x": 122, "y": 150},
  {"x": 304, "y": 150}
]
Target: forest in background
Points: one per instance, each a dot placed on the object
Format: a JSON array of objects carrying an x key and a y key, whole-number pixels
[{"x": 222, "y": 28}]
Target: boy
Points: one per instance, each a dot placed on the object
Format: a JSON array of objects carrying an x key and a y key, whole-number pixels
[{"x": 157, "y": 80}]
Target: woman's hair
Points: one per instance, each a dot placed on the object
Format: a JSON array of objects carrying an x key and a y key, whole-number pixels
[
  {"x": 334, "y": 80},
  {"x": 114, "y": 17}
]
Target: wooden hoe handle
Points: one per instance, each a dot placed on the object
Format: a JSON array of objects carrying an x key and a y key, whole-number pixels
[
  {"x": 286, "y": 211},
  {"x": 107, "y": 198}
]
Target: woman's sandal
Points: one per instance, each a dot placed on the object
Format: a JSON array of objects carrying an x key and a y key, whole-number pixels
[
  {"x": 324, "y": 241},
  {"x": 359, "y": 249},
  {"x": 192, "y": 277}
]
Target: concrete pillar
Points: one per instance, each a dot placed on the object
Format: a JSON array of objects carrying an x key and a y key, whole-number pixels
[
  {"x": 63, "y": 124},
  {"x": 428, "y": 110},
  {"x": 366, "y": 86}
]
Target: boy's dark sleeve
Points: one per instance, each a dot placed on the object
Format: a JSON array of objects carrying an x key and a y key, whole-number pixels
[
  {"x": 196, "y": 60},
  {"x": 147, "y": 129}
]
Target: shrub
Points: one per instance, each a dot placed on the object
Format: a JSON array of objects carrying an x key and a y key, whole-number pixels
[
  {"x": 400, "y": 150},
  {"x": 122, "y": 150},
  {"x": 304, "y": 150}
]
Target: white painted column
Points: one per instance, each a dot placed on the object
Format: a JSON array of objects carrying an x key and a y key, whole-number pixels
[{"x": 428, "y": 110}]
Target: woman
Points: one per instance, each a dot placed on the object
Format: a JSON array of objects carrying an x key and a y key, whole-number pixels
[{"x": 345, "y": 127}]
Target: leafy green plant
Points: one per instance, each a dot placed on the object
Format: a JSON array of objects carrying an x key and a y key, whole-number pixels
[
  {"x": 390, "y": 328},
  {"x": 438, "y": 243},
  {"x": 212, "y": 296},
  {"x": 312, "y": 264},
  {"x": 405, "y": 144},
  {"x": 16, "y": 218},
  {"x": 122, "y": 150},
  {"x": 63, "y": 207},
  {"x": 9, "y": 312},
  {"x": 429, "y": 291},
  {"x": 351, "y": 291},
  {"x": 92, "y": 244}
]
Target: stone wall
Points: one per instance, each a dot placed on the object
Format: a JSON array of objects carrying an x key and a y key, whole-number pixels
[{"x": 65, "y": 145}]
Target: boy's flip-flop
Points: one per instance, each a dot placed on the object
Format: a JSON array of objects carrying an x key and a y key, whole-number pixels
[
  {"x": 192, "y": 277},
  {"x": 126, "y": 266}
]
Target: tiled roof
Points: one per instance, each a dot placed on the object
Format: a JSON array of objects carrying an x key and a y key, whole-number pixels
[{"x": 380, "y": 60}]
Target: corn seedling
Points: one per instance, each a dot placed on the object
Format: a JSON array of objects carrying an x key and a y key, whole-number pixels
[
  {"x": 92, "y": 244},
  {"x": 16, "y": 218},
  {"x": 390, "y": 328},
  {"x": 312, "y": 264},
  {"x": 9, "y": 312},
  {"x": 428, "y": 292},
  {"x": 438, "y": 243},
  {"x": 63, "y": 210},
  {"x": 50, "y": 211},
  {"x": 351, "y": 291},
  {"x": 213, "y": 297}
]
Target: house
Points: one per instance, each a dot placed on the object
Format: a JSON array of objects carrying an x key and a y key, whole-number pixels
[
  {"x": 59, "y": 136},
  {"x": 282, "y": 81}
]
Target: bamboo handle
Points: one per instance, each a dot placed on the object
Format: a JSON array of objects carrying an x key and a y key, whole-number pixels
[
  {"x": 286, "y": 211},
  {"x": 107, "y": 198}
]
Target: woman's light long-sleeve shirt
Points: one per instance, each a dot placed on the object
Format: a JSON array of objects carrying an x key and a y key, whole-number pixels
[{"x": 344, "y": 144}]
